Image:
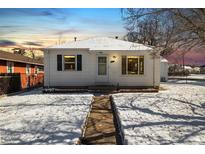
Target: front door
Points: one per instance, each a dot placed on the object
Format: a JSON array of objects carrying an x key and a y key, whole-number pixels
[{"x": 102, "y": 70}]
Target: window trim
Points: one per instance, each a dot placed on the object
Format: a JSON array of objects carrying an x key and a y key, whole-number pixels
[
  {"x": 143, "y": 65},
  {"x": 75, "y": 63},
  {"x": 35, "y": 70},
  {"x": 138, "y": 65},
  {"x": 40, "y": 69},
  {"x": 12, "y": 66}
]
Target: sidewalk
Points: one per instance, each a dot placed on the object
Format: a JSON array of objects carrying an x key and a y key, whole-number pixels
[{"x": 100, "y": 128}]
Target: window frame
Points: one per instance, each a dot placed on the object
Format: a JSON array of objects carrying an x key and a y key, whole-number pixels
[
  {"x": 138, "y": 74},
  {"x": 28, "y": 66},
  {"x": 12, "y": 66},
  {"x": 35, "y": 70},
  {"x": 64, "y": 63},
  {"x": 104, "y": 63}
]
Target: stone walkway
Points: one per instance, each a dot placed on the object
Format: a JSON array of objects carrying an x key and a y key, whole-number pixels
[{"x": 100, "y": 128}]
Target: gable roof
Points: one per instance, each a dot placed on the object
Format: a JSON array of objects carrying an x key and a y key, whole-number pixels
[
  {"x": 19, "y": 58},
  {"x": 102, "y": 43}
]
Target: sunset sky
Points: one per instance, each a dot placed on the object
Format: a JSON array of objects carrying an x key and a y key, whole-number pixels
[{"x": 45, "y": 27}]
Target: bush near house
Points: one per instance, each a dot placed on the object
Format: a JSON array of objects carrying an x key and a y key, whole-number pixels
[
  {"x": 177, "y": 70},
  {"x": 181, "y": 73}
]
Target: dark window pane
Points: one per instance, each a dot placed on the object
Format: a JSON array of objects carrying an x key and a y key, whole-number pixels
[
  {"x": 69, "y": 66},
  {"x": 102, "y": 70},
  {"x": 132, "y": 65},
  {"x": 102, "y": 59},
  {"x": 69, "y": 62}
]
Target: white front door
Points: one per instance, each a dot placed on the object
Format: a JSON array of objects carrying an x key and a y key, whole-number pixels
[{"x": 102, "y": 70}]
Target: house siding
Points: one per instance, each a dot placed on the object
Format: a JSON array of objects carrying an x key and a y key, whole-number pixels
[
  {"x": 3, "y": 66},
  {"x": 27, "y": 80},
  {"x": 19, "y": 67},
  {"x": 69, "y": 78},
  {"x": 88, "y": 74}
]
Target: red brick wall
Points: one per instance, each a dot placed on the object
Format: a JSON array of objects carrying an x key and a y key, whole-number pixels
[
  {"x": 27, "y": 80},
  {"x": 3, "y": 66},
  {"x": 32, "y": 69},
  {"x": 19, "y": 67},
  {"x": 31, "y": 80}
]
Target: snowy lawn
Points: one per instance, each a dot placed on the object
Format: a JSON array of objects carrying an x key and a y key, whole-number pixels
[
  {"x": 172, "y": 116},
  {"x": 191, "y": 76},
  {"x": 36, "y": 118}
]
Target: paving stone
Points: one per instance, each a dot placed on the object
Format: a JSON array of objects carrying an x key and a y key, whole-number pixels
[{"x": 100, "y": 128}]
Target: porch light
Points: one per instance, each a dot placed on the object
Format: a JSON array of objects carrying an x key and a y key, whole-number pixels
[{"x": 113, "y": 59}]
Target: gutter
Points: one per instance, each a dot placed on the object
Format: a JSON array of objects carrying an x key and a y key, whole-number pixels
[{"x": 153, "y": 71}]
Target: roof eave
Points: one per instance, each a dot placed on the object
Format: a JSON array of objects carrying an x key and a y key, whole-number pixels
[
  {"x": 87, "y": 49},
  {"x": 21, "y": 61},
  {"x": 75, "y": 49}
]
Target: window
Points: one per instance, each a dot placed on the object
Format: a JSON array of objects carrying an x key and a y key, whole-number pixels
[
  {"x": 69, "y": 63},
  {"x": 36, "y": 70},
  {"x": 9, "y": 67},
  {"x": 133, "y": 65},
  {"x": 102, "y": 65},
  {"x": 28, "y": 71},
  {"x": 40, "y": 69}
]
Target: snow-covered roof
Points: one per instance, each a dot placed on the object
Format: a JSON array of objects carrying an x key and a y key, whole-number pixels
[
  {"x": 163, "y": 60},
  {"x": 187, "y": 67},
  {"x": 102, "y": 43}
]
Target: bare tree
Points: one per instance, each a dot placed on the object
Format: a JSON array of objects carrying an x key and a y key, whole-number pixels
[
  {"x": 19, "y": 51},
  {"x": 32, "y": 52},
  {"x": 168, "y": 30}
]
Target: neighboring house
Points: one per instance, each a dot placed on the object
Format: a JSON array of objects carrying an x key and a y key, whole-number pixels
[
  {"x": 31, "y": 70},
  {"x": 188, "y": 68},
  {"x": 164, "y": 69},
  {"x": 196, "y": 70},
  {"x": 101, "y": 61},
  {"x": 202, "y": 69}
]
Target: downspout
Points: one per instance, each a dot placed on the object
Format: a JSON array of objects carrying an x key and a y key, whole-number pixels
[
  {"x": 153, "y": 70},
  {"x": 49, "y": 70}
]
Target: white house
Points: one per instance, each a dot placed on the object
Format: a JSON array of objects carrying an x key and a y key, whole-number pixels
[
  {"x": 164, "y": 69},
  {"x": 101, "y": 61}
]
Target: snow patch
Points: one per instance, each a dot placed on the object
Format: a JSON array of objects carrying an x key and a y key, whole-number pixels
[
  {"x": 173, "y": 116},
  {"x": 36, "y": 118}
]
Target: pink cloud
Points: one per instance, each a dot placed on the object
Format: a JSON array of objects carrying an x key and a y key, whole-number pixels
[{"x": 193, "y": 57}]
